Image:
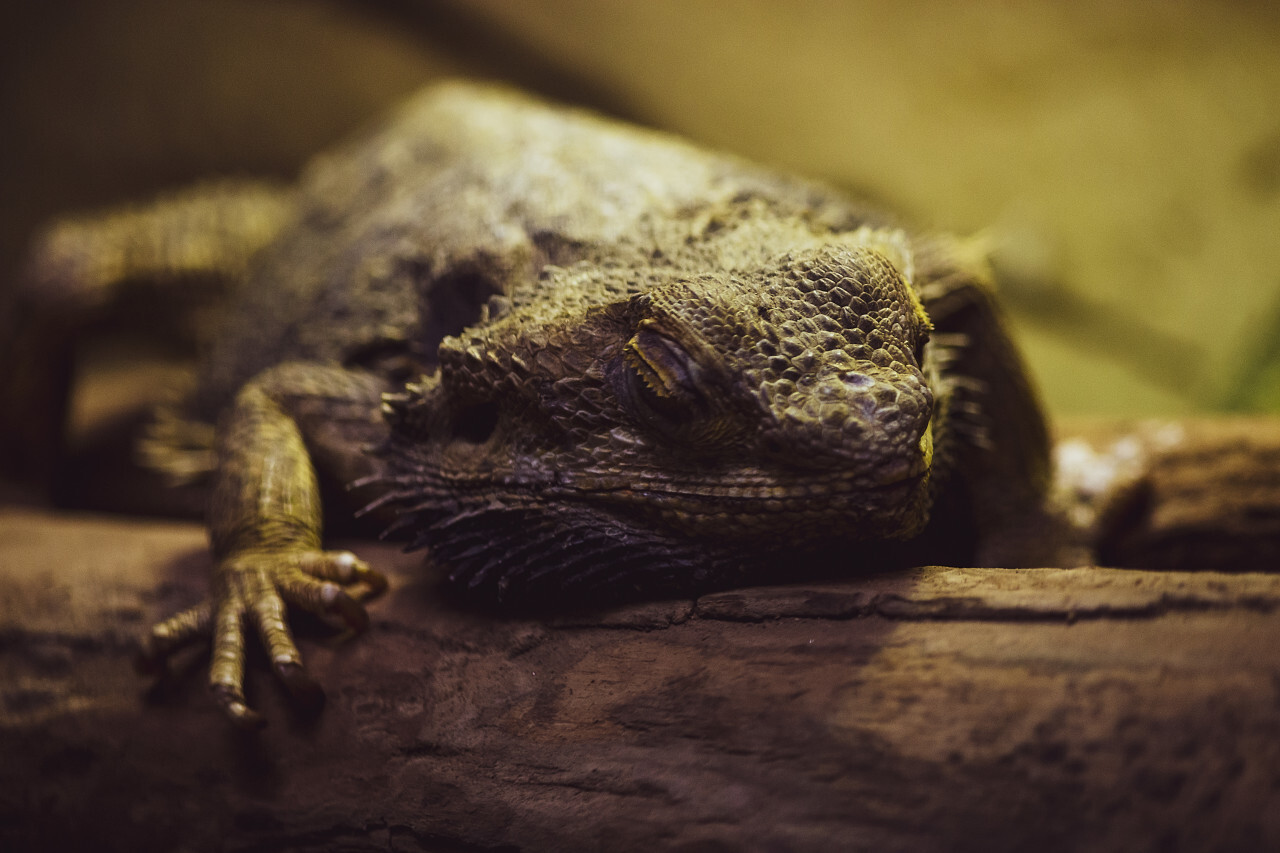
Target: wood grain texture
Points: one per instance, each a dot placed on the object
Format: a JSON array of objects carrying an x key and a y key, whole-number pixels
[
  {"x": 1185, "y": 495},
  {"x": 935, "y": 709}
]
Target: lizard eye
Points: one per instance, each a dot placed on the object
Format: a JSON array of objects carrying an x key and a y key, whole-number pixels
[{"x": 659, "y": 381}]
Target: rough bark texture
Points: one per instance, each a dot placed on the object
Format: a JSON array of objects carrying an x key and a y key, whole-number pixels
[
  {"x": 1187, "y": 495},
  {"x": 934, "y": 709}
]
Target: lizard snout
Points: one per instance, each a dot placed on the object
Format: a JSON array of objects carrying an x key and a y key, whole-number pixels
[{"x": 875, "y": 427}]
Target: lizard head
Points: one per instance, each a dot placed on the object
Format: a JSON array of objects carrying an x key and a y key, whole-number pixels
[{"x": 773, "y": 403}]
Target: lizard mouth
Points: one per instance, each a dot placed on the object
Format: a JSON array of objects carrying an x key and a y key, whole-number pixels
[
  {"x": 842, "y": 506},
  {"x": 801, "y": 487},
  {"x": 880, "y": 486}
]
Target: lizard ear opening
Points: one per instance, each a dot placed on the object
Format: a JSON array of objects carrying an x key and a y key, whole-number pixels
[{"x": 476, "y": 423}]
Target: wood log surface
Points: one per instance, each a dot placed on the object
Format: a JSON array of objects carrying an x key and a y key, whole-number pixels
[{"x": 930, "y": 709}]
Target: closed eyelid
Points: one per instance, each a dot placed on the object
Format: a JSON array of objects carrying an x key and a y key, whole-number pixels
[{"x": 666, "y": 367}]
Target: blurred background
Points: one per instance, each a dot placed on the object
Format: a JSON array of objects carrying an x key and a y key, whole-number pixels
[{"x": 1126, "y": 156}]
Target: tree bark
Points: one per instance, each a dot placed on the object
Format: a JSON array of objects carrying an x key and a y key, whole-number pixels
[
  {"x": 1187, "y": 495},
  {"x": 930, "y": 709}
]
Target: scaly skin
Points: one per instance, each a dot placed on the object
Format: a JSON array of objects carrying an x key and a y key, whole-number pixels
[
  {"x": 775, "y": 375},
  {"x": 614, "y": 365}
]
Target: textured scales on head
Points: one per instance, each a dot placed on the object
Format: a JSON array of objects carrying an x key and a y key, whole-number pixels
[{"x": 643, "y": 425}]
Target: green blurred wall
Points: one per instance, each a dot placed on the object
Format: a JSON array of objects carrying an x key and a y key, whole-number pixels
[{"x": 1127, "y": 156}]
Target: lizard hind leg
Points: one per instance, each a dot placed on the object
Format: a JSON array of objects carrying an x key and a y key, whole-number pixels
[
  {"x": 189, "y": 247},
  {"x": 179, "y": 447}
]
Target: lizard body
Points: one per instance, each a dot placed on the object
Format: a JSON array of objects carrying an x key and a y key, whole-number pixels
[{"x": 595, "y": 362}]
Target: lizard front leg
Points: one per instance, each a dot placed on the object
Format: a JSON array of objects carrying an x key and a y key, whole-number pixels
[
  {"x": 995, "y": 429},
  {"x": 265, "y": 524}
]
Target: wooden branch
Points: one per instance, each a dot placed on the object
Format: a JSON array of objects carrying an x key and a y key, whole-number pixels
[
  {"x": 1190, "y": 494},
  {"x": 933, "y": 709}
]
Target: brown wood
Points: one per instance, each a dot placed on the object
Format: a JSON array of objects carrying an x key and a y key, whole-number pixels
[
  {"x": 1190, "y": 494},
  {"x": 934, "y": 709}
]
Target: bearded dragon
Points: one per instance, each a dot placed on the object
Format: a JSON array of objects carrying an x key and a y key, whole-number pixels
[{"x": 579, "y": 362}]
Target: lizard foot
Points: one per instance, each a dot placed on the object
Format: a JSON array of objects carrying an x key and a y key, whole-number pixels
[{"x": 254, "y": 586}]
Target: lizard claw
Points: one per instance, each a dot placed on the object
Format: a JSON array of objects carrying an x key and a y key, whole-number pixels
[
  {"x": 233, "y": 705},
  {"x": 306, "y": 693},
  {"x": 336, "y": 602},
  {"x": 152, "y": 654},
  {"x": 253, "y": 588}
]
